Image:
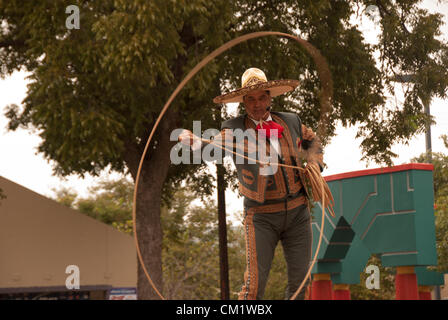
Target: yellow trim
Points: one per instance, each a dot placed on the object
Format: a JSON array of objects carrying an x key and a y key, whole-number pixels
[
  {"x": 424, "y": 288},
  {"x": 405, "y": 270},
  {"x": 341, "y": 286},
  {"x": 321, "y": 276}
]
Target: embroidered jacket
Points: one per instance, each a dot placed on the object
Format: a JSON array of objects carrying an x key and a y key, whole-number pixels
[{"x": 297, "y": 142}]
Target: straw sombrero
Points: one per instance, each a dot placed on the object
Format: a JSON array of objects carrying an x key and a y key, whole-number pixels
[{"x": 254, "y": 79}]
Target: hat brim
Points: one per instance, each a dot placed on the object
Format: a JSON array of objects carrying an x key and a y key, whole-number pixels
[{"x": 275, "y": 87}]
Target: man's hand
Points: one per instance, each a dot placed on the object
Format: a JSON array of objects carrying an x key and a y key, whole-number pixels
[
  {"x": 189, "y": 139},
  {"x": 186, "y": 137}
]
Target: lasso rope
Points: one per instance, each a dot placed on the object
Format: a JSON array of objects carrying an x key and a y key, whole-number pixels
[{"x": 325, "y": 97}]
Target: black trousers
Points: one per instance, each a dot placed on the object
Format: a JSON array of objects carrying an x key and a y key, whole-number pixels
[{"x": 263, "y": 231}]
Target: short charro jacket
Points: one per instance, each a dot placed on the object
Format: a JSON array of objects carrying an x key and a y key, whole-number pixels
[{"x": 294, "y": 143}]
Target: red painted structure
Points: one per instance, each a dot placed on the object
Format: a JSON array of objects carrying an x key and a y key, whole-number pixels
[
  {"x": 369, "y": 172},
  {"x": 321, "y": 288},
  {"x": 424, "y": 292},
  {"x": 406, "y": 284},
  {"x": 341, "y": 292}
]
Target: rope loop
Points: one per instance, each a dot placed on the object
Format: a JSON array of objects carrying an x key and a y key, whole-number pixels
[{"x": 325, "y": 102}]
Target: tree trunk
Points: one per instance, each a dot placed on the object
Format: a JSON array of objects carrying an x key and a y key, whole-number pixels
[
  {"x": 222, "y": 226},
  {"x": 148, "y": 223},
  {"x": 149, "y": 229},
  {"x": 154, "y": 173}
]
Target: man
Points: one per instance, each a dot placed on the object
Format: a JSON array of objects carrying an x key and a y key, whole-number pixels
[{"x": 275, "y": 202}]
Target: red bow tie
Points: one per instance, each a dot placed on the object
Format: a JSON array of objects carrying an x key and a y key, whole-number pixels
[{"x": 271, "y": 128}]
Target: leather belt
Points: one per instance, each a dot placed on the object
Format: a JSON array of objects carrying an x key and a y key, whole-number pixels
[{"x": 277, "y": 207}]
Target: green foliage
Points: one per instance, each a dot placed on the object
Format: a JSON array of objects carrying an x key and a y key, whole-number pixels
[
  {"x": 440, "y": 172},
  {"x": 408, "y": 45},
  {"x": 387, "y": 283},
  {"x": 440, "y": 176},
  {"x": 441, "y": 214},
  {"x": 66, "y": 197},
  {"x": 277, "y": 281},
  {"x": 190, "y": 252},
  {"x": 237, "y": 259},
  {"x": 110, "y": 202}
]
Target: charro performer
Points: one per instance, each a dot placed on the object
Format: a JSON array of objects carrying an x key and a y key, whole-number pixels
[{"x": 275, "y": 201}]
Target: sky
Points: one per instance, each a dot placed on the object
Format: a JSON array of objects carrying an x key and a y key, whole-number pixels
[{"x": 20, "y": 162}]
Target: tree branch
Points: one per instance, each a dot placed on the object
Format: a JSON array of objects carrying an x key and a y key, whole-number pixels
[{"x": 383, "y": 9}]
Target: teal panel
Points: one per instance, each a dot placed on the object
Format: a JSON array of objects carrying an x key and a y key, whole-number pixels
[
  {"x": 403, "y": 191},
  {"x": 380, "y": 200},
  {"x": 341, "y": 235},
  {"x": 327, "y": 267},
  {"x": 355, "y": 192},
  {"x": 337, "y": 237},
  {"x": 427, "y": 277},
  {"x": 425, "y": 220},
  {"x": 343, "y": 232},
  {"x": 399, "y": 259},
  {"x": 336, "y": 191},
  {"x": 354, "y": 263},
  {"x": 336, "y": 251},
  {"x": 329, "y": 227},
  {"x": 391, "y": 233},
  {"x": 390, "y": 214},
  {"x": 340, "y": 241}
]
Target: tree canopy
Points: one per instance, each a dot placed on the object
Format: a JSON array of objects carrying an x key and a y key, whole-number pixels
[{"x": 96, "y": 91}]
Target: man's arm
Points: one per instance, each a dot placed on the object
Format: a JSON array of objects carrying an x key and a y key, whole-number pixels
[
  {"x": 221, "y": 144},
  {"x": 225, "y": 142},
  {"x": 188, "y": 138}
]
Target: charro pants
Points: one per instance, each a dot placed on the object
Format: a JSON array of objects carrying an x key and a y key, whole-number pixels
[{"x": 263, "y": 231}]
